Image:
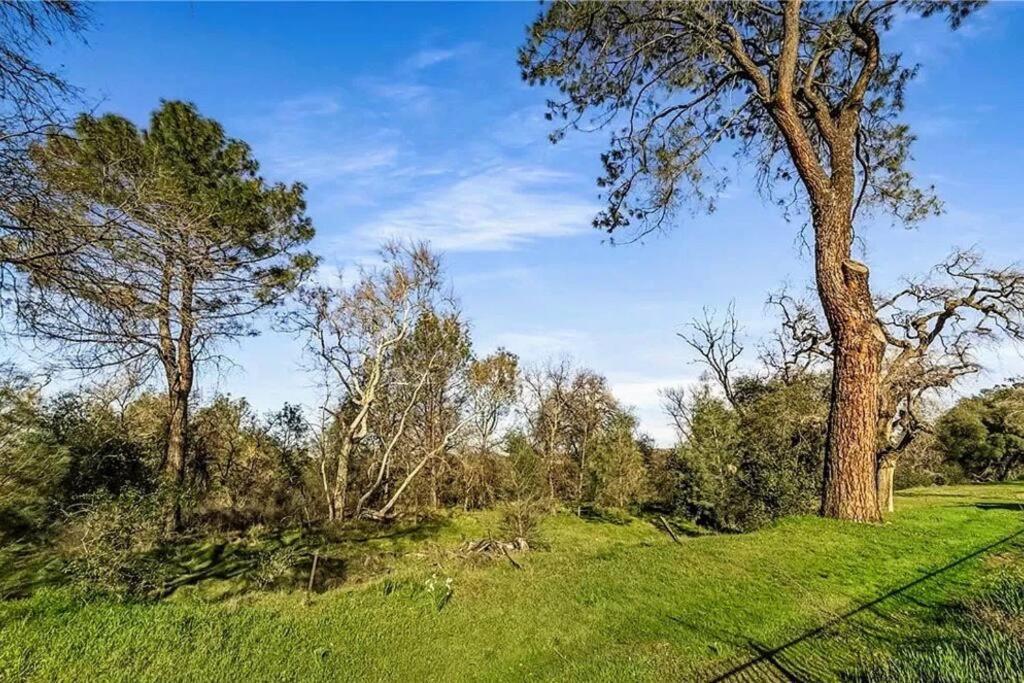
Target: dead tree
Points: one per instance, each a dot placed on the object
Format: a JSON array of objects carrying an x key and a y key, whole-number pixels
[
  {"x": 933, "y": 326},
  {"x": 719, "y": 346}
]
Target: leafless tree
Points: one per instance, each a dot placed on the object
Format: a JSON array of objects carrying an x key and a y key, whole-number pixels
[
  {"x": 799, "y": 345},
  {"x": 590, "y": 405},
  {"x": 566, "y": 409},
  {"x": 675, "y": 404},
  {"x": 545, "y": 412},
  {"x": 933, "y": 328},
  {"x": 351, "y": 334},
  {"x": 496, "y": 384},
  {"x": 719, "y": 346}
]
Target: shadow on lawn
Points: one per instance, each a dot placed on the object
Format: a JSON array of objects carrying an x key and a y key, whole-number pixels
[
  {"x": 360, "y": 549},
  {"x": 1016, "y": 507},
  {"x": 341, "y": 552},
  {"x": 784, "y": 662}
]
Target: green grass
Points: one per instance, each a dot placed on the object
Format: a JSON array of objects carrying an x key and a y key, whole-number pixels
[
  {"x": 805, "y": 599},
  {"x": 979, "y": 639}
]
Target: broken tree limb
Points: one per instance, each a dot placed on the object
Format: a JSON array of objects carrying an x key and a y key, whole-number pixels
[{"x": 669, "y": 529}]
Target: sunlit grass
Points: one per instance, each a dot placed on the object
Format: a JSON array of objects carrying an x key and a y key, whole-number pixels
[{"x": 601, "y": 601}]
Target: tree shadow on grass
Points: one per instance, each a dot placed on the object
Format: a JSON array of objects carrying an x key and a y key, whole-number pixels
[
  {"x": 1016, "y": 507},
  {"x": 279, "y": 559},
  {"x": 338, "y": 550},
  {"x": 790, "y": 662},
  {"x": 25, "y": 568},
  {"x": 590, "y": 513}
]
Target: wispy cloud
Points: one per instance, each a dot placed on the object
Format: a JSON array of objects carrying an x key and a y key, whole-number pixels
[
  {"x": 335, "y": 163},
  {"x": 537, "y": 347},
  {"x": 496, "y": 209},
  {"x": 428, "y": 57},
  {"x": 317, "y": 139},
  {"x": 308, "y": 106},
  {"x": 408, "y": 95}
]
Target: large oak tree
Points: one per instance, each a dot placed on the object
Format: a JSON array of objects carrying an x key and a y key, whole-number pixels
[{"x": 807, "y": 92}]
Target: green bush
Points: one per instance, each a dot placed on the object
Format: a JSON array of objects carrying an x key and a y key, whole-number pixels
[
  {"x": 526, "y": 506},
  {"x": 908, "y": 478},
  {"x": 521, "y": 519},
  {"x": 984, "y": 434},
  {"x": 275, "y": 564},
  {"x": 743, "y": 467},
  {"x": 32, "y": 466},
  {"x": 110, "y": 544},
  {"x": 616, "y": 468}
]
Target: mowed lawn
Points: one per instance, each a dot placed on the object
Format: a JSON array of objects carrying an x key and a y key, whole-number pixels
[{"x": 805, "y": 599}]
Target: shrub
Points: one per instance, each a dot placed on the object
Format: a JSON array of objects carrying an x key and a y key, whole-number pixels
[
  {"x": 275, "y": 564},
  {"x": 522, "y": 513},
  {"x": 742, "y": 468},
  {"x": 102, "y": 454},
  {"x": 617, "y": 471},
  {"x": 984, "y": 434},
  {"x": 110, "y": 544},
  {"x": 521, "y": 519},
  {"x": 32, "y": 466}
]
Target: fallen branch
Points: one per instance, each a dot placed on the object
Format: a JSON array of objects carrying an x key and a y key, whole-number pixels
[
  {"x": 669, "y": 529},
  {"x": 312, "y": 575},
  {"x": 491, "y": 546}
]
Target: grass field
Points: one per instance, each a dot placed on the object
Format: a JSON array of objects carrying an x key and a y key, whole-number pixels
[{"x": 806, "y": 599}]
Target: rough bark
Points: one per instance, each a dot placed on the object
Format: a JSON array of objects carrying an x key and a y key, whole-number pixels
[
  {"x": 176, "y": 449},
  {"x": 886, "y": 477},
  {"x": 176, "y": 354},
  {"x": 842, "y": 283},
  {"x": 175, "y": 455},
  {"x": 850, "y": 456}
]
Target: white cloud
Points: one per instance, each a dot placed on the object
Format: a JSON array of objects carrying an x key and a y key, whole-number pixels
[
  {"x": 427, "y": 58},
  {"x": 308, "y": 106},
  {"x": 412, "y": 97},
  {"x": 331, "y": 164},
  {"x": 536, "y": 347},
  {"x": 314, "y": 139},
  {"x": 431, "y": 56},
  {"x": 642, "y": 395},
  {"x": 491, "y": 210}
]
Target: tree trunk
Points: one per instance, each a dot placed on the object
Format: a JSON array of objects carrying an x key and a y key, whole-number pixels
[
  {"x": 336, "y": 495},
  {"x": 176, "y": 355},
  {"x": 176, "y": 452},
  {"x": 886, "y": 477},
  {"x": 850, "y": 490}
]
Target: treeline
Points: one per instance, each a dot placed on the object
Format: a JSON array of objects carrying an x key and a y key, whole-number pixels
[
  {"x": 438, "y": 427},
  {"x": 141, "y": 252}
]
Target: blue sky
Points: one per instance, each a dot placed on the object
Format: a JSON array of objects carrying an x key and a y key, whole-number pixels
[{"x": 411, "y": 120}]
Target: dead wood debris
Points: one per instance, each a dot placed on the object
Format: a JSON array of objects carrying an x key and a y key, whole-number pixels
[{"x": 492, "y": 547}]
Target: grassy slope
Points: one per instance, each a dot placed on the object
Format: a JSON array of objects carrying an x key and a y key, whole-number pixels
[{"x": 604, "y": 602}]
